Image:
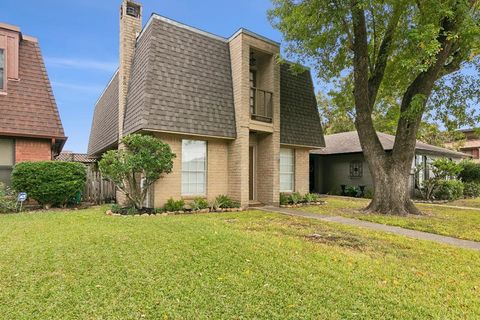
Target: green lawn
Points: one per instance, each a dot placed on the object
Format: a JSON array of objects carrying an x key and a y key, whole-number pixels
[
  {"x": 474, "y": 203},
  {"x": 459, "y": 223},
  {"x": 86, "y": 265}
]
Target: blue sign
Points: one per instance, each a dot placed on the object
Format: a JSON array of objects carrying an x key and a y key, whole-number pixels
[{"x": 22, "y": 196}]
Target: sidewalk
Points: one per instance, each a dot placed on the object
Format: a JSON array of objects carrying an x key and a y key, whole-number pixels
[{"x": 466, "y": 244}]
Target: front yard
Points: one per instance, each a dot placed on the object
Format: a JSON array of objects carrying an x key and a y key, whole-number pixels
[
  {"x": 454, "y": 222},
  {"x": 87, "y": 265}
]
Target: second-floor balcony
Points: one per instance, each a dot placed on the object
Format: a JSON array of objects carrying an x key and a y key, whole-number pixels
[{"x": 261, "y": 105}]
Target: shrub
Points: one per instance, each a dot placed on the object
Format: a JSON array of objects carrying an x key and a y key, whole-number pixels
[
  {"x": 471, "y": 189},
  {"x": 132, "y": 211},
  {"x": 49, "y": 182},
  {"x": 285, "y": 199},
  {"x": 296, "y": 198},
  {"x": 470, "y": 171},
  {"x": 442, "y": 170},
  {"x": 7, "y": 200},
  {"x": 224, "y": 202},
  {"x": 199, "y": 204},
  {"x": 449, "y": 190},
  {"x": 311, "y": 197},
  {"x": 174, "y": 205},
  {"x": 116, "y": 208},
  {"x": 143, "y": 156},
  {"x": 351, "y": 191}
]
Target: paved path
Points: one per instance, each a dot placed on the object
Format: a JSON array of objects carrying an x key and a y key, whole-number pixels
[{"x": 379, "y": 227}]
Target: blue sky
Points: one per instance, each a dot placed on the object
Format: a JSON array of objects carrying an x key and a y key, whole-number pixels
[{"x": 79, "y": 42}]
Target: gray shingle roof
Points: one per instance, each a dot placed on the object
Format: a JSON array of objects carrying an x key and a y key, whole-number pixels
[
  {"x": 104, "y": 131},
  {"x": 300, "y": 120},
  {"x": 348, "y": 142},
  {"x": 181, "y": 82}
]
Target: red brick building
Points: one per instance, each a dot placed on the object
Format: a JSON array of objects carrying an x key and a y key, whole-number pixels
[{"x": 30, "y": 126}]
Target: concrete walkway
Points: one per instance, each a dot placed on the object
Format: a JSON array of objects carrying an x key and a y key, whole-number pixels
[{"x": 467, "y": 244}]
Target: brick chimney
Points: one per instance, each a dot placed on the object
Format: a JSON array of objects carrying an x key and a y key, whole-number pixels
[{"x": 130, "y": 27}]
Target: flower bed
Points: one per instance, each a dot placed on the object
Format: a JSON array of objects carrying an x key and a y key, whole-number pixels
[
  {"x": 221, "y": 203},
  {"x": 303, "y": 204},
  {"x": 171, "y": 213}
]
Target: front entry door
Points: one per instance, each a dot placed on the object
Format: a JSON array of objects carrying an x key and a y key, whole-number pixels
[{"x": 251, "y": 173}]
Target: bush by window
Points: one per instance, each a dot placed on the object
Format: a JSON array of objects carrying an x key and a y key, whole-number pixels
[{"x": 49, "y": 182}]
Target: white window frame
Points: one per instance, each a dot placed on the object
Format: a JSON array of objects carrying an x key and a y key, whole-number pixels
[
  {"x": 289, "y": 173},
  {"x": 189, "y": 173}
]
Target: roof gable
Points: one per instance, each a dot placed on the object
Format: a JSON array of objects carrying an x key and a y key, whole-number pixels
[
  {"x": 299, "y": 118},
  {"x": 104, "y": 131},
  {"x": 30, "y": 95},
  {"x": 181, "y": 82}
]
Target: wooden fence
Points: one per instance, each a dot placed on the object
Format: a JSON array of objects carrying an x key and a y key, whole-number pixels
[{"x": 97, "y": 189}]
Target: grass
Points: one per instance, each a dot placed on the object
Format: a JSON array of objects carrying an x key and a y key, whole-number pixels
[
  {"x": 459, "y": 223},
  {"x": 86, "y": 265},
  {"x": 473, "y": 203}
]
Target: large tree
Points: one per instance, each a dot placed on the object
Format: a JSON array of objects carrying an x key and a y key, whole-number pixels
[{"x": 391, "y": 56}]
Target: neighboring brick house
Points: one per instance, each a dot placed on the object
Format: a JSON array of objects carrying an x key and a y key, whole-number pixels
[
  {"x": 471, "y": 144},
  {"x": 342, "y": 163},
  {"x": 30, "y": 126},
  {"x": 240, "y": 123}
]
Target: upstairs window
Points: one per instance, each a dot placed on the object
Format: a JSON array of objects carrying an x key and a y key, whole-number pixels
[{"x": 2, "y": 69}]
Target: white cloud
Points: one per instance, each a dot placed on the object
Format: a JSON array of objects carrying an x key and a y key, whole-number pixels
[
  {"x": 82, "y": 64},
  {"x": 77, "y": 87}
]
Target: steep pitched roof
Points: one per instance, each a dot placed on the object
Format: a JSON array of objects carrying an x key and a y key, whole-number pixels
[
  {"x": 348, "y": 142},
  {"x": 299, "y": 117},
  {"x": 29, "y": 109},
  {"x": 180, "y": 82},
  {"x": 104, "y": 132}
]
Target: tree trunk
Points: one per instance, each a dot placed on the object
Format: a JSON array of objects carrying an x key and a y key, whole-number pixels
[{"x": 392, "y": 192}]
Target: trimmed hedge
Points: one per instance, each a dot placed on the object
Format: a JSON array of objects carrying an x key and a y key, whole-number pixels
[{"x": 50, "y": 183}]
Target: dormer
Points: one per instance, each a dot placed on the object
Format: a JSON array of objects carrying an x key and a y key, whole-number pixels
[{"x": 9, "y": 42}]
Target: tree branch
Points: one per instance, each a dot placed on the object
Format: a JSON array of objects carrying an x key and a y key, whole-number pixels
[
  {"x": 383, "y": 54},
  {"x": 422, "y": 86},
  {"x": 363, "y": 122}
]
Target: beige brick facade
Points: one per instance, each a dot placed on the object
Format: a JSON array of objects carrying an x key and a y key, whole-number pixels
[
  {"x": 170, "y": 185},
  {"x": 228, "y": 167},
  {"x": 302, "y": 170}
]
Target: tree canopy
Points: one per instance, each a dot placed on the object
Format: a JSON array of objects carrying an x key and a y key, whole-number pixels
[{"x": 406, "y": 61}]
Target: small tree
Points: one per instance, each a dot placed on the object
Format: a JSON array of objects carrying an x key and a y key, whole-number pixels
[
  {"x": 142, "y": 158},
  {"x": 442, "y": 169}
]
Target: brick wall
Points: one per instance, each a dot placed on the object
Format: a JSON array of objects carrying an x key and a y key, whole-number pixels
[
  {"x": 170, "y": 185},
  {"x": 33, "y": 150},
  {"x": 302, "y": 171},
  {"x": 268, "y": 142},
  {"x": 238, "y": 149},
  {"x": 130, "y": 27}
]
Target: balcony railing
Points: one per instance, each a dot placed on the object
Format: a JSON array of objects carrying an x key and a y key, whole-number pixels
[{"x": 261, "y": 105}]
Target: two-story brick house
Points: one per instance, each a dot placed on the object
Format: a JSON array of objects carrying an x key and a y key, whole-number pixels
[
  {"x": 30, "y": 126},
  {"x": 240, "y": 123},
  {"x": 471, "y": 144}
]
